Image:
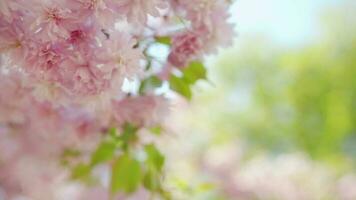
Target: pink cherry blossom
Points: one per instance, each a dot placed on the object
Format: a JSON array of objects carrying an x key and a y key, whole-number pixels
[
  {"x": 203, "y": 36},
  {"x": 214, "y": 15},
  {"x": 10, "y": 10},
  {"x": 49, "y": 20},
  {"x": 137, "y": 11},
  {"x": 12, "y": 40},
  {"x": 98, "y": 10},
  {"x": 5, "y": 8},
  {"x": 185, "y": 47},
  {"x": 141, "y": 111},
  {"x": 121, "y": 52},
  {"x": 62, "y": 71}
]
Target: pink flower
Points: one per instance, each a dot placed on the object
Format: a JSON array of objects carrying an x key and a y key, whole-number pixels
[
  {"x": 5, "y": 9},
  {"x": 137, "y": 11},
  {"x": 214, "y": 15},
  {"x": 43, "y": 60},
  {"x": 82, "y": 74},
  {"x": 83, "y": 35},
  {"x": 209, "y": 19},
  {"x": 63, "y": 64},
  {"x": 93, "y": 70},
  {"x": 12, "y": 40},
  {"x": 13, "y": 98},
  {"x": 121, "y": 53},
  {"x": 98, "y": 10},
  {"x": 140, "y": 111},
  {"x": 185, "y": 47},
  {"x": 10, "y": 10},
  {"x": 50, "y": 20}
]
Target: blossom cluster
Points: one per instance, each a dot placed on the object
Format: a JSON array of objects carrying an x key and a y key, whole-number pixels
[{"x": 64, "y": 66}]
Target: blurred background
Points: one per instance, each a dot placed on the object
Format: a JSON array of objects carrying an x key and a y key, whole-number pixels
[{"x": 276, "y": 118}]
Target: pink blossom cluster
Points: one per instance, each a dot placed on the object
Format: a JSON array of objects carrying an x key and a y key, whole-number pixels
[
  {"x": 34, "y": 135},
  {"x": 63, "y": 65},
  {"x": 208, "y": 28}
]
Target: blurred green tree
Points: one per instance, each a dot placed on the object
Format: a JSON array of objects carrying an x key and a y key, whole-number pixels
[{"x": 281, "y": 99}]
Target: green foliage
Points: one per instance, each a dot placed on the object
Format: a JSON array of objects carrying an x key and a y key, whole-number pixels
[
  {"x": 150, "y": 181},
  {"x": 154, "y": 158},
  {"x": 194, "y": 72},
  {"x": 112, "y": 132},
  {"x": 157, "y": 130},
  {"x": 81, "y": 172},
  {"x": 190, "y": 75},
  {"x": 104, "y": 152},
  {"x": 149, "y": 84},
  {"x": 180, "y": 86},
  {"x": 128, "y": 136},
  {"x": 297, "y": 100},
  {"x": 163, "y": 40},
  {"x": 126, "y": 174},
  {"x": 153, "y": 165},
  {"x": 153, "y": 169},
  {"x": 68, "y": 155}
]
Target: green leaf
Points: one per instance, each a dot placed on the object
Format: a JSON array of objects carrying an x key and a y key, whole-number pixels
[
  {"x": 112, "y": 132},
  {"x": 67, "y": 155},
  {"x": 126, "y": 174},
  {"x": 150, "y": 83},
  {"x": 180, "y": 86},
  {"x": 164, "y": 40},
  {"x": 191, "y": 74},
  {"x": 157, "y": 130},
  {"x": 104, "y": 152},
  {"x": 81, "y": 172},
  {"x": 70, "y": 153},
  {"x": 128, "y": 135},
  {"x": 151, "y": 181},
  {"x": 205, "y": 187},
  {"x": 154, "y": 157},
  {"x": 154, "y": 165},
  {"x": 194, "y": 72}
]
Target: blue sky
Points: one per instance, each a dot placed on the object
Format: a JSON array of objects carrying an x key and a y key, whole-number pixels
[{"x": 288, "y": 22}]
